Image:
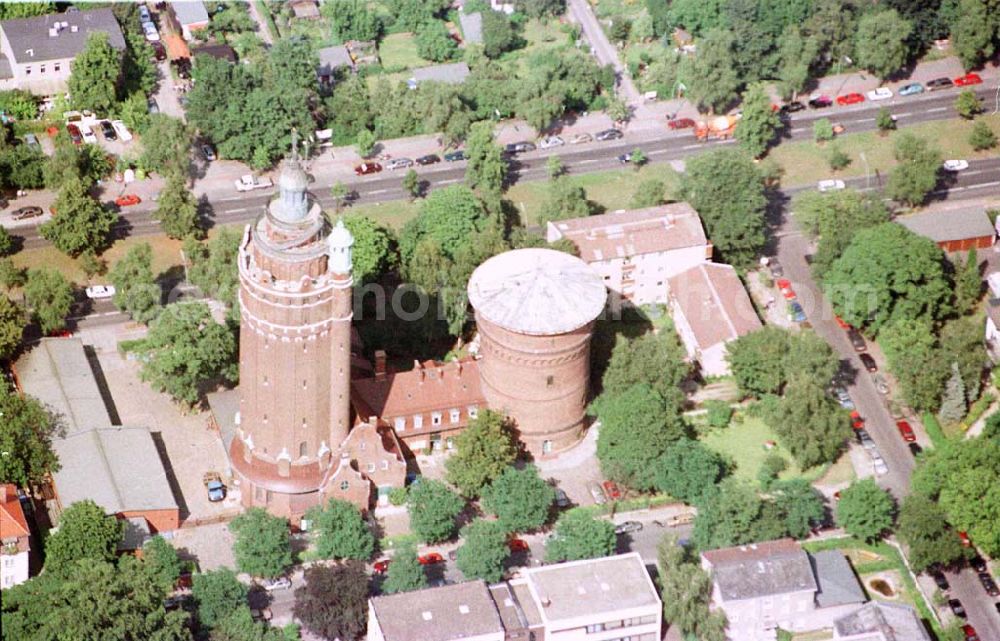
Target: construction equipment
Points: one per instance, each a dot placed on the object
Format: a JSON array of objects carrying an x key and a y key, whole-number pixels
[{"x": 719, "y": 127}]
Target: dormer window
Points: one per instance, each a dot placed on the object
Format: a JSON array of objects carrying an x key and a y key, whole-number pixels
[
  {"x": 473, "y": 411},
  {"x": 418, "y": 421},
  {"x": 436, "y": 418},
  {"x": 400, "y": 423},
  {"x": 454, "y": 415}
]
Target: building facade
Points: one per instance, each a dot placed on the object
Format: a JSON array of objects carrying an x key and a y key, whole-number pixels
[{"x": 15, "y": 543}]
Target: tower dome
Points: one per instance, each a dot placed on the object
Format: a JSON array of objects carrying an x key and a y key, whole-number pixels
[
  {"x": 340, "y": 242},
  {"x": 292, "y": 205}
]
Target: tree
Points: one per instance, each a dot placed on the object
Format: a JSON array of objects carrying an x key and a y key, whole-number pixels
[
  {"x": 972, "y": 32},
  {"x": 618, "y": 110},
  {"x": 953, "y": 402},
  {"x": 11, "y": 327},
  {"x": 712, "y": 77},
  {"x": 212, "y": 265},
  {"x": 686, "y": 591},
  {"x": 136, "y": 290},
  {"x": 649, "y": 193},
  {"x": 241, "y": 626},
  {"x": 92, "y": 264},
  {"x": 796, "y": 54},
  {"x": 80, "y": 222},
  {"x": 579, "y": 535},
  {"x": 728, "y": 515},
  {"x": 887, "y": 273},
  {"x": 799, "y": 503},
  {"x": 49, "y": 296},
  {"x": 565, "y": 200},
  {"x": 373, "y": 254},
  {"x": 540, "y": 8},
  {"x": 26, "y": 434},
  {"x": 450, "y": 216},
  {"x": 85, "y": 532},
  {"x": 262, "y": 546},
  {"x": 759, "y": 124},
  {"x": 498, "y": 34},
  {"x": 923, "y": 527},
  {"x": 166, "y": 146},
  {"x": 162, "y": 562},
  {"x": 881, "y": 42},
  {"x": 411, "y": 183},
  {"x": 217, "y": 593},
  {"x": 483, "y": 452},
  {"x": 483, "y": 551},
  {"x": 916, "y": 173},
  {"x": 365, "y": 143},
  {"x": 405, "y": 572},
  {"x": 865, "y": 510},
  {"x": 982, "y": 137},
  {"x": 435, "y": 43},
  {"x": 757, "y": 361},
  {"x": 686, "y": 469},
  {"x": 810, "y": 424},
  {"x": 232, "y": 19},
  {"x": 177, "y": 210},
  {"x": 961, "y": 341},
  {"x": 433, "y": 510},
  {"x": 186, "y": 349},
  {"x": 637, "y": 427},
  {"x": 334, "y": 601},
  {"x": 97, "y": 72},
  {"x": 340, "y": 531},
  {"x": 520, "y": 499},
  {"x": 772, "y": 465},
  {"x": 837, "y": 159},
  {"x": 967, "y": 104},
  {"x": 6, "y": 242},
  {"x": 620, "y": 29},
  {"x": 884, "y": 120},
  {"x": 637, "y": 158},
  {"x": 486, "y": 168},
  {"x": 835, "y": 217},
  {"x": 726, "y": 188},
  {"x": 339, "y": 193},
  {"x": 910, "y": 349},
  {"x": 823, "y": 130},
  {"x": 11, "y": 275}
]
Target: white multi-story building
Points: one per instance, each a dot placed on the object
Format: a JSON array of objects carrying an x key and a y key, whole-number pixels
[{"x": 15, "y": 546}]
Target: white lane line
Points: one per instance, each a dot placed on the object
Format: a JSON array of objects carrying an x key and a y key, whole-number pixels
[
  {"x": 691, "y": 146},
  {"x": 230, "y": 198},
  {"x": 904, "y": 115},
  {"x": 236, "y": 211},
  {"x": 378, "y": 191},
  {"x": 865, "y": 120},
  {"x": 588, "y": 161},
  {"x": 936, "y": 109},
  {"x": 799, "y": 130},
  {"x": 659, "y": 151},
  {"x": 954, "y": 189},
  {"x": 449, "y": 181}
]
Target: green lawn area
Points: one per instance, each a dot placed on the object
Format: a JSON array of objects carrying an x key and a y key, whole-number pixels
[
  {"x": 539, "y": 36},
  {"x": 399, "y": 50},
  {"x": 806, "y": 162},
  {"x": 392, "y": 214},
  {"x": 743, "y": 444},
  {"x": 613, "y": 8}
]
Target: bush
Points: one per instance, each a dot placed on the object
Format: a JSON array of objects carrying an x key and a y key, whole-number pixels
[
  {"x": 719, "y": 413},
  {"x": 772, "y": 465},
  {"x": 982, "y": 137},
  {"x": 823, "y": 130},
  {"x": 837, "y": 159},
  {"x": 397, "y": 496}
]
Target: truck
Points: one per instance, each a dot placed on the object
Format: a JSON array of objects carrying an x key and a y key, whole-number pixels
[
  {"x": 249, "y": 182},
  {"x": 720, "y": 127},
  {"x": 215, "y": 487}
]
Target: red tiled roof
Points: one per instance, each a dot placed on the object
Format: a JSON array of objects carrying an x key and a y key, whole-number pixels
[
  {"x": 714, "y": 302},
  {"x": 12, "y": 522}
]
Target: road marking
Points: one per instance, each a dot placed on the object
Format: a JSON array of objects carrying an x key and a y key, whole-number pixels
[
  {"x": 936, "y": 109},
  {"x": 865, "y": 120},
  {"x": 691, "y": 146},
  {"x": 953, "y": 189},
  {"x": 659, "y": 151},
  {"x": 236, "y": 211},
  {"x": 588, "y": 161},
  {"x": 378, "y": 191},
  {"x": 799, "y": 130},
  {"x": 449, "y": 181},
  {"x": 230, "y": 198},
  {"x": 904, "y": 115}
]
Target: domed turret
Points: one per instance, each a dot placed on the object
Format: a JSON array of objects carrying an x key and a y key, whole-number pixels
[
  {"x": 293, "y": 202},
  {"x": 340, "y": 241}
]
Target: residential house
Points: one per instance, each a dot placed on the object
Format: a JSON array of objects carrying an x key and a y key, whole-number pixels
[
  {"x": 462, "y": 611},
  {"x": 953, "y": 226},
  {"x": 762, "y": 587},
  {"x": 36, "y": 54},
  {"x": 472, "y": 26},
  {"x": 373, "y": 447},
  {"x": 304, "y": 9},
  {"x": 191, "y": 16},
  {"x": 117, "y": 467},
  {"x": 331, "y": 59},
  {"x": 710, "y": 308},
  {"x": 636, "y": 251},
  {"x": 453, "y": 73},
  {"x": 881, "y": 621},
  {"x": 500, "y": 5},
  {"x": 15, "y": 540}
]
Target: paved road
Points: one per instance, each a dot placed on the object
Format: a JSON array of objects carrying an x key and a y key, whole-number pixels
[
  {"x": 603, "y": 50},
  {"x": 791, "y": 251}
]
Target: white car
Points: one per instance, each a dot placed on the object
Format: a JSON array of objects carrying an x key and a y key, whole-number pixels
[
  {"x": 98, "y": 292},
  {"x": 281, "y": 583},
  {"x": 151, "y": 33},
  {"x": 830, "y": 185},
  {"x": 550, "y": 142},
  {"x": 956, "y": 165},
  {"x": 882, "y": 93},
  {"x": 399, "y": 163},
  {"x": 88, "y": 134},
  {"x": 880, "y": 466},
  {"x": 144, "y": 14},
  {"x": 123, "y": 133}
]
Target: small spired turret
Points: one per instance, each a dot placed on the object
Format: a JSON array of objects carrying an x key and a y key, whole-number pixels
[
  {"x": 340, "y": 242},
  {"x": 292, "y": 205}
]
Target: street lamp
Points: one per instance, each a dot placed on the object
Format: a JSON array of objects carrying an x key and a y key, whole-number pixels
[{"x": 868, "y": 175}]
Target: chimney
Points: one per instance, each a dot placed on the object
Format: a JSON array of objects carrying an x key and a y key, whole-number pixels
[
  {"x": 417, "y": 365},
  {"x": 379, "y": 364}
]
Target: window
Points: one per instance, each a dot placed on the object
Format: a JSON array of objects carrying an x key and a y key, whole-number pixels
[
  {"x": 454, "y": 415},
  {"x": 473, "y": 411},
  {"x": 418, "y": 421},
  {"x": 596, "y": 627},
  {"x": 302, "y": 448},
  {"x": 400, "y": 424},
  {"x": 344, "y": 486},
  {"x": 385, "y": 464},
  {"x": 41, "y": 68},
  {"x": 56, "y": 67},
  {"x": 436, "y": 418},
  {"x": 546, "y": 447},
  {"x": 371, "y": 468},
  {"x": 550, "y": 381},
  {"x": 304, "y": 383},
  {"x": 265, "y": 418},
  {"x": 265, "y": 381},
  {"x": 27, "y": 71},
  {"x": 449, "y": 443},
  {"x": 361, "y": 446}
]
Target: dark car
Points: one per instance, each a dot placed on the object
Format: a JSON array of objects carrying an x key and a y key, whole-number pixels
[
  {"x": 792, "y": 107},
  {"x": 940, "y": 580},
  {"x": 608, "y": 134},
  {"x": 429, "y": 159},
  {"x": 956, "y": 608},
  {"x": 939, "y": 83},
  {"x": 821, "y": 102},
  {"x": 519, "y": 147},
  {"x": 453, "y": 156},
  {"x": 25, "y": 213},
  {"x": 857, "y": 340},
  {"x": 868, "y": 362},
  {"x": 366, "y": 168},
  {"x": 159, "y": 51},
  {"x": 74, "y": 134},
  {"x": 988, "y": 584},
  {"x": 978, "y": 564},
  {"x": 914, "y": 448},
  {"x": 680, "y": 123},
  {"x": 153, "y": 107},
  {"x": 861, "y": 433},
  {"x": 108, "y": 131}
]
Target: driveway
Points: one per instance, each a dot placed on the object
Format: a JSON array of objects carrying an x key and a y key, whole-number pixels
[{"x": 603, "y": 50}]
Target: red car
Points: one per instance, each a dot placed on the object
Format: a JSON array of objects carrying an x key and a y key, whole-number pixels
[
  {"x": 856, "y": 421},
  {"x": 841, "y": 322},
  {"x": 126, "y": 200},
  {"x": 366, "y": 168},
  {"x": 783, "y": 283},
  {"x": 611, "y": 489},
  {"x": 60, "y": 333},
  {"x": 74, "y": 134},
  {"x": 966, "y": 541},
  {"x": 968, "y": 80},
  {"x": 788, "y": 293},
  {"x": 850, "y": 99},
  {"x": 970, "y": 633},
  {"x": 680, "y": 123},
  {"x": 518, "y": 545},
  {"x": 906, "y": 431},
  {"x": 382, "y": 566},
  {"x": 430, "y": 558}
]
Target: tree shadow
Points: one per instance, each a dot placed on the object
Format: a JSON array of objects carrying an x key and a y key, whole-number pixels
[{"x": 206, "y": 213}]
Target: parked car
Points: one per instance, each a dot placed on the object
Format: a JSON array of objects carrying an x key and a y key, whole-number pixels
[
  {"x": 159, "y": 51},
  {"x": 914, "y": 448},
  {"x": 214, "y": 486},
  {"x": 398, "y": 163},
  {"x": 108, "y": 131},
  {"x": 454, "y": 156},
  {"x": 280, "y": 583},
  {"x": 550, "y": 142},
  {"x": 367, "y": 168},
  {"x": 956, "y": 608},
  {"x": 843, "y": 397},
  {"x": 830, "y": 185},
  {"x": 970, "y": 633},
  {"x": 882, "y": 93},
  {"x": 152, "y": 106},
  {"x": 25, "y": 213},
  {"x": 964, "y": 538},
  {"x": 939, "y": 83},
  {"x": 518, "y": 545},
  {"x": 956, "y": 165},
  {"x": 911, "y": 89},
  {"x": 127, "y": 200},
  {"x": 795, "y": 312},
  {"x": 906, "y": 431},
  {"x": 820, "y": 102},
  {"x": 968, "y": 80},
  {"x": 792, "y": 107},
  {"x": 625, "y": 158},
  {"x": 123, "y": 133},
  {"x": 429, "y": 159},
  {"x": 98, "y": 292},
  {"x": 149, "y": 30},
  {"x": 380, "y": 567},
  {"x": 612, "y": 490},
  {"x": 598, "y": 494},
  {"x": 978, "y": 564},
  {"x": 868, "y": 362},
  {"x": 562, "y": 500},
  {"x": 519, "y": 147},
  {"x": 88, "y": 135},
  {"x": 32, "y": 141},
  {"x": 841, "y": 323},
  {"x": 608, "y": 134},
  {"x": 580, "y": 138},
  {"x": 866, "y": 441},
  {"x": 430, "y": 558},
  {"x": 879, "y": 462},
  {"x": 881, "y": 384},
  {"x": 680, "y": 123},
  {"x": 777, "y": 271},
  {"x": 857, "y": 421},
  {"x": 939, "y": 579},
  {"x": 627, "y": 527},
  {"x": 852, "y": 98},
  {"x": 857, "y": 340},
  {"x": 74, "y": 134},
  {"x": 988, "y": 584},
  {"x": 208, "y": 152},
  {"x": 144, "y": 15}
]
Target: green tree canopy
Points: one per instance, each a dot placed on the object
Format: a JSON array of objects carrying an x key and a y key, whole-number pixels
[
  {"x": 649, "y": 193},
  {"x": 449, "y": 216},
  {"x": 177, "y": 209},
  {"x": 26, "y": 434},
  {"x": 923, "y": 527},
  {"x": 161, "y": 562},
  {"x": 881, "y": 42},
  {"x": 797, "y": 52},
  {"x": 809, "y": 422},
  {"x": 763, "y": 362},
  {"x": 434, "y": 42},
  {"x": 405, "y": 572},
  {"x": 760, "y": 123},
  {"x": 499, "y": 35},
  {"x": 687, "y": 469},
  {"x": 483, "y": 551},
  {"x": 973, "y": 33},
  {"x": 433, "y": 510},
  {"x": 49, "y": 296},
  {"x": 97, "y": 72},
  {"x": 240, "y": 625},
  {"x": 834, "y": 217},
  {"x": 483, "y": 451},
  {"x": 982, "y": 137},
  {"x": 11, "y": 327},
  {"x": 262, "y": 546},
  {"x": 340, "y": 532},
  {"x": 374, "y": 251},
  {"x": 728, "y": 515},
  {"x": 686, "y": 591},
  {"x": 85, "y": 532},
  {"x": 212, "y": 265},
  {"x": 916, "y": 172},
  {"x": 486, "y": 168},
  {"x": 565, "y": 199},
  {"x": 520, "y": 499},
  {"x": 578, "y": 535},
  {"x": 865, "y": 510},
  {"x": 655, "y": 359},
  {"x": 334, "y": 601},
  {"x": 80, "y": 222},
  {"x": 910, "y": 349},
  {"x": 712, "y": 77},
  {"x": 217, "y": 593},
  {"x": 136, "y": 290},
  {"x": 166, "y": 145}
]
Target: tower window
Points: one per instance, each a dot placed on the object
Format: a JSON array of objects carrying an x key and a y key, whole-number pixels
[
  {"x": 473, "y": 411},
  {"x": 371, "y": 467},
  {"x": 546, "y": 447},
  {"x": 302, "y": 448},
  {"x": 436, "y": 418},
  {"x": 265, "y": 380},
  {"x": 400, "y": 423},
  {"x": 265, "y": 418},
  {"x": 303, "y": 383},
  {"x": 454, "y": 415},
  {"x": 550, "y": 381},
  {"x": 418, "y": 421}
]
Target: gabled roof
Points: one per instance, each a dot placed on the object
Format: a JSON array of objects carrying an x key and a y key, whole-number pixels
[
  {"x": 714, "y": 303},
  {"x": 445, "y": 613},
  {"x": 835, "y": 579},
  {"x": 30, "y": 41},
  {"x": 472, "y": 26},
  {"x": 760, "y": 569},
  {"x": 331, "y": 58},
  {"x": 943, "y": 225},
  {"x": 894, "y": 621},
  {"x": 428, "y": 387},
  {"x": 12, "y": 522},
  {"x": 454, "y": 73},
  {"x": 190, "y": 12}
]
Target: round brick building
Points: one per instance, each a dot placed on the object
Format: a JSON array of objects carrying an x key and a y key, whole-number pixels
[{"x": 535, "y": 312}]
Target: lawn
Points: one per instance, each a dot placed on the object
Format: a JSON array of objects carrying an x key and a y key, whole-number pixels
[
  {"x": 613, "y": 8},
  {"x": 539, "y": 36},
  {"x": 392, "y": 213},
  {"x": 806, "y": 162},
  {"x": 743, "y": 444},
  {"x": 399, "y": 51}
]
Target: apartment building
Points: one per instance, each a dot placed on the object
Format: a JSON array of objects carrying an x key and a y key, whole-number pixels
[{"x": 15, "y": 540}]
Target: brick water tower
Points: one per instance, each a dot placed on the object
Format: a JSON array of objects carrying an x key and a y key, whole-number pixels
[
  {"x": 295, "y": 351},
  {"x": 535, "y": 313}
]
